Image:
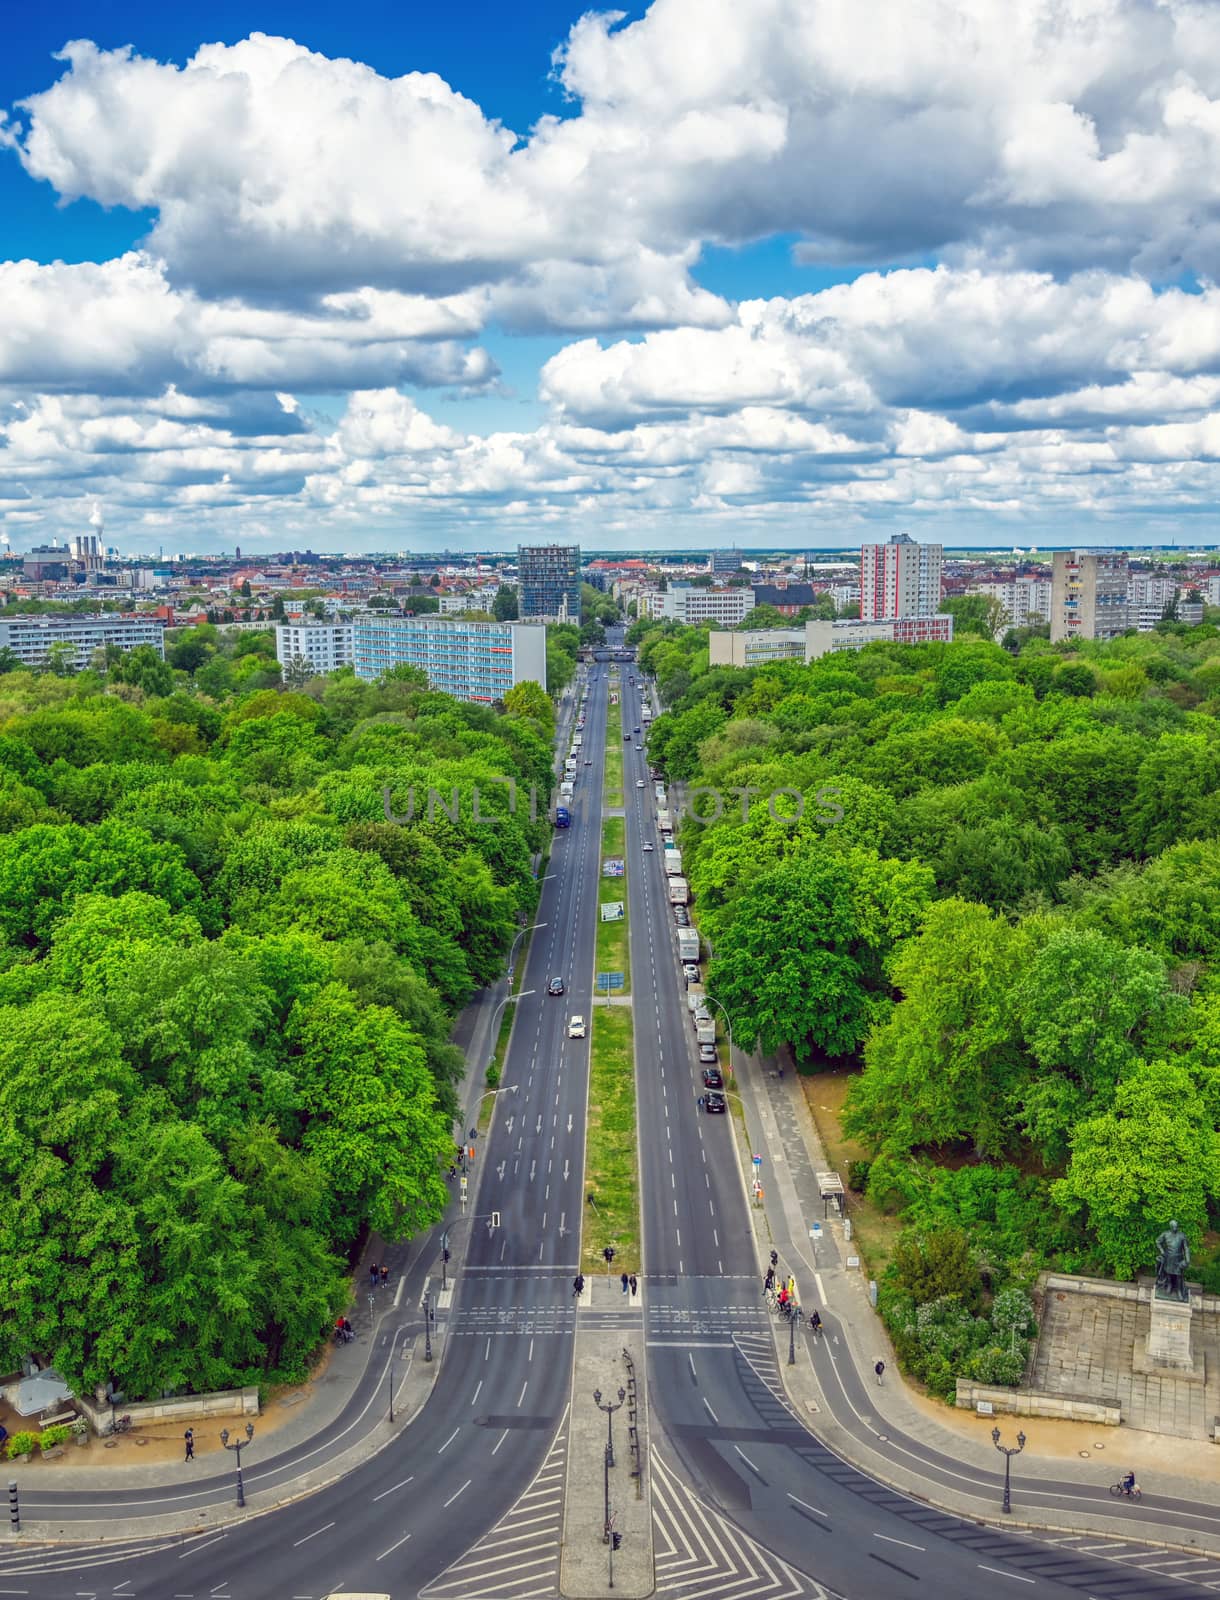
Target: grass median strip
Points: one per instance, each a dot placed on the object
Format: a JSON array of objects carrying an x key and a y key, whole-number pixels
[
  {"x": 612, "y": 780},
  {"x": 612, "y": 945},
  {"x": 612, "y": 1179}
]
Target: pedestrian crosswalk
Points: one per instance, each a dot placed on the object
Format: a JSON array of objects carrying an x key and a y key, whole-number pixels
[
  {"x": 1168, "y": 1566},
  {"x": 699, "y": 1554},
  {"x": 518, "y": 1559}
]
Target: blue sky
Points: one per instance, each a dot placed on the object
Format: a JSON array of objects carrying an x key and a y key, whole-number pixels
[{"x": 767, "y": 272}]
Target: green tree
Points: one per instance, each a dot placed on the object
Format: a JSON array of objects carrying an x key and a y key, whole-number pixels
[
  {"x": 504, "y": 606},
  {"x": 1152, "y": 1156},
  {"x": 801, "y": 958}
]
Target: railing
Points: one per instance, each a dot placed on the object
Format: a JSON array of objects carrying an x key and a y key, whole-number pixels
[{"x": 633, "y": 1429}]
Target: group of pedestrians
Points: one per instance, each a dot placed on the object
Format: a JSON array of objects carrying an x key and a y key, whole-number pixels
[
  {"x": 631, "y": 1283},
  {"x": 378, "y": 1275}
]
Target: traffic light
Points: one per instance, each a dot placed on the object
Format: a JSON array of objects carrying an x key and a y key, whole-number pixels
[
  {"x": 445, "y": 1254},
  {"x": 617, "y": 1539}
]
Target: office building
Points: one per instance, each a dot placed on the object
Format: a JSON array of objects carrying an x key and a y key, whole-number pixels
[
  {"x": 1023, "y": 601},
  {"x": 548, "y": 582},
  {"x": 478, "y": 661},
  {"x": 685, "y": 603},
  {"x": 319, "y": 646},
  {"x": 900, "y": 578},
  {"x": 755, "y": 647},
  {"x": 1089, "y": 594},
  {"x": 724, "y": 561},
  {"x": 46, "y": 563},
  {"x": 31, "y": 638},
  {"x": 758, "y": 647},
  {"x": 823, "y": 637},
  {"x": 453, "y": 605}
]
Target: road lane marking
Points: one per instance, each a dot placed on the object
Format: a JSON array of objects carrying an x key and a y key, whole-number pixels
[
  {"x": 475, "y": 1395},
  {"x": 708, "y": 1405},
  {"x": 400, "y": 1485},
  {"x": 449, "y": 1441},
  {"x": 393, "y": 1547},
  {"x": 312, "y": 1535},
  {"x": 804, "y": 1504},
  {"x": 521, "y": 1396},
  {"x": 1000, "y": 1573},
  {"x": 903, "y": 1542},
  {"x": 453, "y": 1497}
]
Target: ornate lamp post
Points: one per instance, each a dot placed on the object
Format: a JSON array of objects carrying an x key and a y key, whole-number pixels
[
  {"x": 608, "y": 1461},
  {"x": 1007, "y": 1451},
  {"x": 238, "y": 1446}
]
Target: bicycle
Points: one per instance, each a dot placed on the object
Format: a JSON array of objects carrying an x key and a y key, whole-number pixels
[{"x": 1120, "y": 1491}]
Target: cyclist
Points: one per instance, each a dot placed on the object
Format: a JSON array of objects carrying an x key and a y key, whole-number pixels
[
  {"x": 815, "y": 1323},
  {"x": 1128, "y": 1482}
]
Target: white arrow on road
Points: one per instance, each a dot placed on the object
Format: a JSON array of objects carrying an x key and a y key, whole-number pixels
[
  {"x": 565, "y": 1171},
  {"x": 538, "y": 1129},
  {"x": 569, "y": 1122},
  {"x": 533, "y": 1169}
]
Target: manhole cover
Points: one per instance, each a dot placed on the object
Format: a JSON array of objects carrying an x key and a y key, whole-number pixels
[
  {"x": 1087, "y": 1454},
  {"x": 1099, "y": 1447}
]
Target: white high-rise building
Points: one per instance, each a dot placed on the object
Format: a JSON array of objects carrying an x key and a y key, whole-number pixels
[
  {"x": 900, "y": 579},
  {"x": 1022, "y": 600},
  {"x": 321, "y": 646}
]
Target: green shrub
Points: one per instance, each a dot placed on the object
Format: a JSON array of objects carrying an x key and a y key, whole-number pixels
[
  {"x": 492, "y": 1076},
  {"x": 21, "y": 1444},
  {"x": 59, "y": 1434},
  {"x": 857, "y": 1175}
]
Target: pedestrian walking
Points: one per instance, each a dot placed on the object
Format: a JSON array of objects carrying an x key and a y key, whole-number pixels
[
  {"x": 385, "y": 1275},
  {"x": 769, "y": 1280},
  {"x": 626, "y": 1281},
  {"x": 373, "y": 1276},
  {"x": 879, "y": 1369},
  {"x": 578, "y": 1285},
  {"x": 189, "y": 1436},
  {"x": 635, "y": 1284}
]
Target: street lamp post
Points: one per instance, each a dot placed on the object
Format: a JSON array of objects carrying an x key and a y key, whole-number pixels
[
  {"x": 710, "y": 999},
  {"x": 794, "y": 1316},
  {"x": 238, "y": 1445},
  {"x": 608, "y": 1457},
  {"x": 428, "y": 1325},
  {"x": 1007, "y": 1451}
]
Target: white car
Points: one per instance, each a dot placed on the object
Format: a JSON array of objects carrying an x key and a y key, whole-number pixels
[
  {"x": 648, "y": 844},
  {"x": 576, "y": 1028},
  {"x": 640, "y": 784}
]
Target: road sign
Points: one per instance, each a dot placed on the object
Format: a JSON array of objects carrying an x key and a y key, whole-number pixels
[
  {"x": 853, "y": 1261},
  {"x": 463, "y": 1186},
  {"x": 815, "y": 1233},
  {"x": 610, "y": 980},
  {"x": 757, "y": 1160}
]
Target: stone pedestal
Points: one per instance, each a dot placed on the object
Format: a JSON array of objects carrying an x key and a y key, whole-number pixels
[{"x": 1167, "y": 1349}]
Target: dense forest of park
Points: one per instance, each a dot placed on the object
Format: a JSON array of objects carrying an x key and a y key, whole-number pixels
[
  {"x": 1011, "y": 931},
  {"x": 227, "y": 985}
]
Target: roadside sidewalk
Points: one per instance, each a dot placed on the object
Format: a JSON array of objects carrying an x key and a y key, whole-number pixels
[{"x": 933, "y": 1452}]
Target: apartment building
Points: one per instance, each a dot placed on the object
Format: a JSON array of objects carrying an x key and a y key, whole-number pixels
[
  {"x": 787, "y": 598},
  {"x": 755, "y": 647},
  {"x": 901, "y": 578},
  {"x": 1089, "y": 594},
  {"x": 1023, "y": 601},
  {"x": 685, "y": 603},
  {"x": 548, "y": 582},
  {"x": 321, "y": 646},
  {"x": 30, "y": 638},
  {"x": 453, "y": 605},
  {"x": 479, "y": 661}
]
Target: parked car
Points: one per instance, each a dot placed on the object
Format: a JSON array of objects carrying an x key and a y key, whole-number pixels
[
  {"x": 681, "y": 917},
  {"x": 712, "y": 1078},
  {"x": 555, "y": 986},
  {"x": 708, "y": 1056},
  {"x": 576, "y": 1028},
  {"x": 714, "y": 1102},
  {"x": 690, "y": 971}
]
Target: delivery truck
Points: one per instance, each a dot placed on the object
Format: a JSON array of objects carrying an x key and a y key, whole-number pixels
[
  {"x": 673, "y": 863},
  {"x": 679, "y": 893},
  {"x": 566, "y": 789},
  {"x": 696, "y": 998},
  {"x": 688, "y": 944},
  {"x": 578, "y": 741},
  {"x": 705, "y": 1032},
  {"x": 664, "y": 824}
]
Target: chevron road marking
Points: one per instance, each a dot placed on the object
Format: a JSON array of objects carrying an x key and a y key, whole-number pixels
[
  {"x": 518, "y": 1559},
  {"x": 699, "y": 1554}
]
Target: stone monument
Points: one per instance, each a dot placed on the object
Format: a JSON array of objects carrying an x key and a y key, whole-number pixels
[{"x": 1168, "y": 1348}]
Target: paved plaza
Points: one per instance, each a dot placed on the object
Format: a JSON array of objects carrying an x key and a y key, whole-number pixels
[{"x": 1087, "y": 1349}]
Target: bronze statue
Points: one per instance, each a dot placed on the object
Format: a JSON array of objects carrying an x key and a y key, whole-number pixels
[{"x": 1172, "y": 1260}]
